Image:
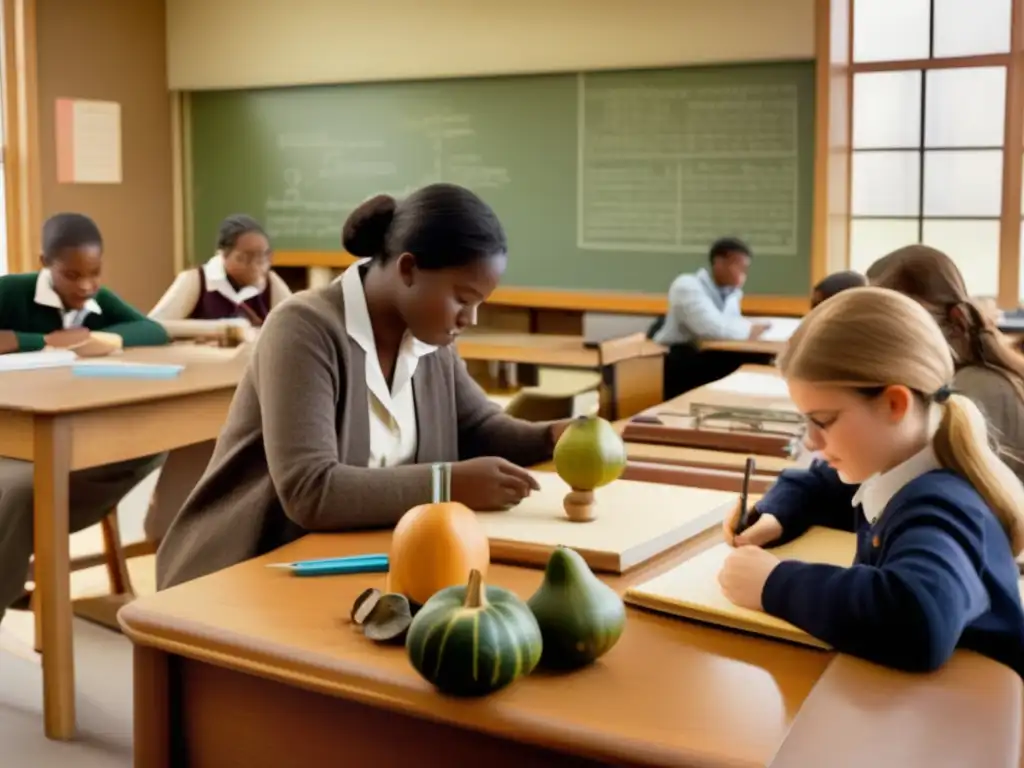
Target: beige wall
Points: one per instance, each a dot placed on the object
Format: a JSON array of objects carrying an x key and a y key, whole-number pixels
[
  {"x": 245, "y": 43},
  {"x": 114, "y": 50}
]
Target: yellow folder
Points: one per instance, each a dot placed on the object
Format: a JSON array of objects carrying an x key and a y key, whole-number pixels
[{"x": 691, "y": 590}]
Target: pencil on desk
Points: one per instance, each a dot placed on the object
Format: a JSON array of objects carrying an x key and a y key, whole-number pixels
[
  {"x": 741, "y": 524},
  {"x": 333, "y": 566}
]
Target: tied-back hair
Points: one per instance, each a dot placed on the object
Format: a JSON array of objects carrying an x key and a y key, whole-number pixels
[
  {"x": 931, "y": 278},
  {"x": 873, "y": 337}
]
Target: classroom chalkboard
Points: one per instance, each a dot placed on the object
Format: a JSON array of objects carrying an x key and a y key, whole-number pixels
[{"x": 604, "y": 181}]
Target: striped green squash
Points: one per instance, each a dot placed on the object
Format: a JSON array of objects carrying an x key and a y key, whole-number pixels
[{"x": 473, "y": 640}]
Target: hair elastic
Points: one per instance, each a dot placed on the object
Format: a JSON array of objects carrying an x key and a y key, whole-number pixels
[{"x": 942, "y": 394}]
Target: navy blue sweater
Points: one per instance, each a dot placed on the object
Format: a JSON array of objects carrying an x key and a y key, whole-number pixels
[{"x": 934, "y": 573}]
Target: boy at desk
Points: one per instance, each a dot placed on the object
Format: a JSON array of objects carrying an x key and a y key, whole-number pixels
[
  {"x": 235, "y": 287},
  {"x": 908, "y": 467},
  {"x": 705, "y": 306},
  {"x": 58, "y": 307}
]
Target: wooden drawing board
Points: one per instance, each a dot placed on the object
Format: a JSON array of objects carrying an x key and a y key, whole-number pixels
[
  {"x": 635, "y": 522},
  {"x": 691, "y": 590}
]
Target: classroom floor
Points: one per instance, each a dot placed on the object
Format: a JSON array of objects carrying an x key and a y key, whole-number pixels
[{"x": 103, "y": 668}]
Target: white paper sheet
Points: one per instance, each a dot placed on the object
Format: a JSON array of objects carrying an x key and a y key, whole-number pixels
[
  {"x": 760, "y": 385},
  {"x": 781, "y": 327},
  {"x": 31, "y": 361}
]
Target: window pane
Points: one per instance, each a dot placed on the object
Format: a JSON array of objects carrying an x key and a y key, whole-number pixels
[
  {"x": 889, "y": 30},
  {"x": 887, "y": 110},
  {"x": 886, "y": 184},
  {"x": 972, "y": 27},
  {"x": 965, "y": 107},
  {"x": 963, "y": 183},
  {"x": 871, "y": 239},
  {"x": 974, "y": 246}
]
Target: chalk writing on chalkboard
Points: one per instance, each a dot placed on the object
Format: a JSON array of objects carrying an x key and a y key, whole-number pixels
[
  {"x": 667, "y": 168},
  {"x": 327, "y": 176}
]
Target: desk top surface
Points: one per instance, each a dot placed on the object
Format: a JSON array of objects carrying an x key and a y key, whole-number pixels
[
  {"x": 56, "y": 390},
  {"x": 670, "y": 692},
  {"x": 548, "y": 349}
]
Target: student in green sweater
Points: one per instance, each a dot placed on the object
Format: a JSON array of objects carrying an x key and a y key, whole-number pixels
[
  {"x": 59, "y": 306},
  {"x": 62, "y": 303}
]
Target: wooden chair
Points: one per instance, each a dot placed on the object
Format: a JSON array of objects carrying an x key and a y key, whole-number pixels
[{"x": 113, "y": 557}]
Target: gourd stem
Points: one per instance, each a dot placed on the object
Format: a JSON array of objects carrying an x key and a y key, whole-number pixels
[
  {"x": 475, "y": 591},
  {"x": 441, "y": 482}
]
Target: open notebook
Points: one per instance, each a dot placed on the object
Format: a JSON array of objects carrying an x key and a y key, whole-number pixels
[{"x": 691, "y": 591}]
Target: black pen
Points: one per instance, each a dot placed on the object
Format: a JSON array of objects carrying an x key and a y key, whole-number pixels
[{"x": 741, "y": 524}]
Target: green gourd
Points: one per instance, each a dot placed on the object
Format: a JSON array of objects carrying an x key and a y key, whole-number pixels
[
  {"x": 473, "y": 640},
  {"x": 580, "y": 617}
]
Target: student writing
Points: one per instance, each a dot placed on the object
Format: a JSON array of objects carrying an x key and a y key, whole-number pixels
[
  {"x": 64, "y": 301},
  {"x": 988, "y": 370},
  {"x": 235, "y": 285},
  {"x": 356, "y": 387},
  {"x": 705, "y": 306},
  {"x": 58, "y": 306},
  {"x": 908, "y": 467}
]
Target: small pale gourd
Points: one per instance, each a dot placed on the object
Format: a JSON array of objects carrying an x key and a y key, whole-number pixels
[{"x": 435, "y": 545}]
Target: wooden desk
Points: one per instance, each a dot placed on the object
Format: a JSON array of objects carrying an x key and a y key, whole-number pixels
[
  {"x": 659, "y": 444},
  {"x": 747, "y": 347},
  {"x": 277, "y": 653},
  {"x": 631, "y": 368},
  {"x": 63, "y": 423}
]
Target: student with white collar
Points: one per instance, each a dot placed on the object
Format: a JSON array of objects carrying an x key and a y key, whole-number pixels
[
  {"x": 236, "y": 286},
  {"x": 907, "y": 465},
  {"x": 59, "y": 306},
  {"x": 62, "y": 303},
  {"x": 356, "y": 388}
]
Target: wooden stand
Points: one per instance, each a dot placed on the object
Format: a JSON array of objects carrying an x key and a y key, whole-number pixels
[{"x": 579, "y": 506}]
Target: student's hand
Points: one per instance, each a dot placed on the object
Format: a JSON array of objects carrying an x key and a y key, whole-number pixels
[
  {"x": 67, "y": 337},
  {"x": 744, "y": 574},
  {"x": 761, "y": 529},
  {"x": 490, "y": 483},
  {"x": 557, "y": 428},
  {"x": 8, "y": 342},
  {"x": 757, "y": 330}
]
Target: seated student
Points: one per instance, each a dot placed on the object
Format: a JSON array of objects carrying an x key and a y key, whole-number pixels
[
  {"x": 988, "y": 370},
  {"x": 238, "y": 287},
  {"x": 235, "y": 285},
  {"x": 63, "y": 302},
  {"x": 58, "y": 307},
  {"x": 354, "y": 389},
  {"x": 908, "y": 467},
  {"x": 834, "y": 283},
  {"x": 706, "y": 306}
]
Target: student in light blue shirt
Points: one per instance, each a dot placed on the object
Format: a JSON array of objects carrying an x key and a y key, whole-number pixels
[{"x": 706, "y": 306}]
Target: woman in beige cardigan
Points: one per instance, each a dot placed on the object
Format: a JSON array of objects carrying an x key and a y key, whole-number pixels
[
  {"x": 354, "y": 389},
  {"x": 989, "y": 370}
]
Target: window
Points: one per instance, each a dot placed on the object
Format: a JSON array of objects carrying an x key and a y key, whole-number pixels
[
  {"x": 929, "y": 133},
  {"x": 927, "y": 166}
]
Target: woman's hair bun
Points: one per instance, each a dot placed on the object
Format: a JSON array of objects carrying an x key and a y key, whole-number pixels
[{"x": 366, "y": 228}]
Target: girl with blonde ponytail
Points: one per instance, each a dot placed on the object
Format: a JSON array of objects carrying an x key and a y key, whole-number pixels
[{"x": 908, "y": 466}]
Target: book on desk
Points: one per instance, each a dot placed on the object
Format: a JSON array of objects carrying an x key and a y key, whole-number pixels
[{"x": 691, "y": 590}]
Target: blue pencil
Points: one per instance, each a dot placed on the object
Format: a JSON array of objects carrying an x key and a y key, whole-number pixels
[{"x": 332, "y": 566}]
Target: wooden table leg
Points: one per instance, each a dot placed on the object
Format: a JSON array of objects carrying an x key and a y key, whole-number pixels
[
  {"x": 632, "y": 385},
  {"x": 52, "y": 460},
  {"x": 154, "y": 705}
]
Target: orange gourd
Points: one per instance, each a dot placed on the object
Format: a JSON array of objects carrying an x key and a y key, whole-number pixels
[{"x": 436, "y": 545}]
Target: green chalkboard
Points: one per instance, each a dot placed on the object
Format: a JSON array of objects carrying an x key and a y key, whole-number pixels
[{"x": 604, "y": 181}]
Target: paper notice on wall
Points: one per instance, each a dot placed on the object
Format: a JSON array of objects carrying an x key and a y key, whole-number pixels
[{"x": 88, "y": 142}]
